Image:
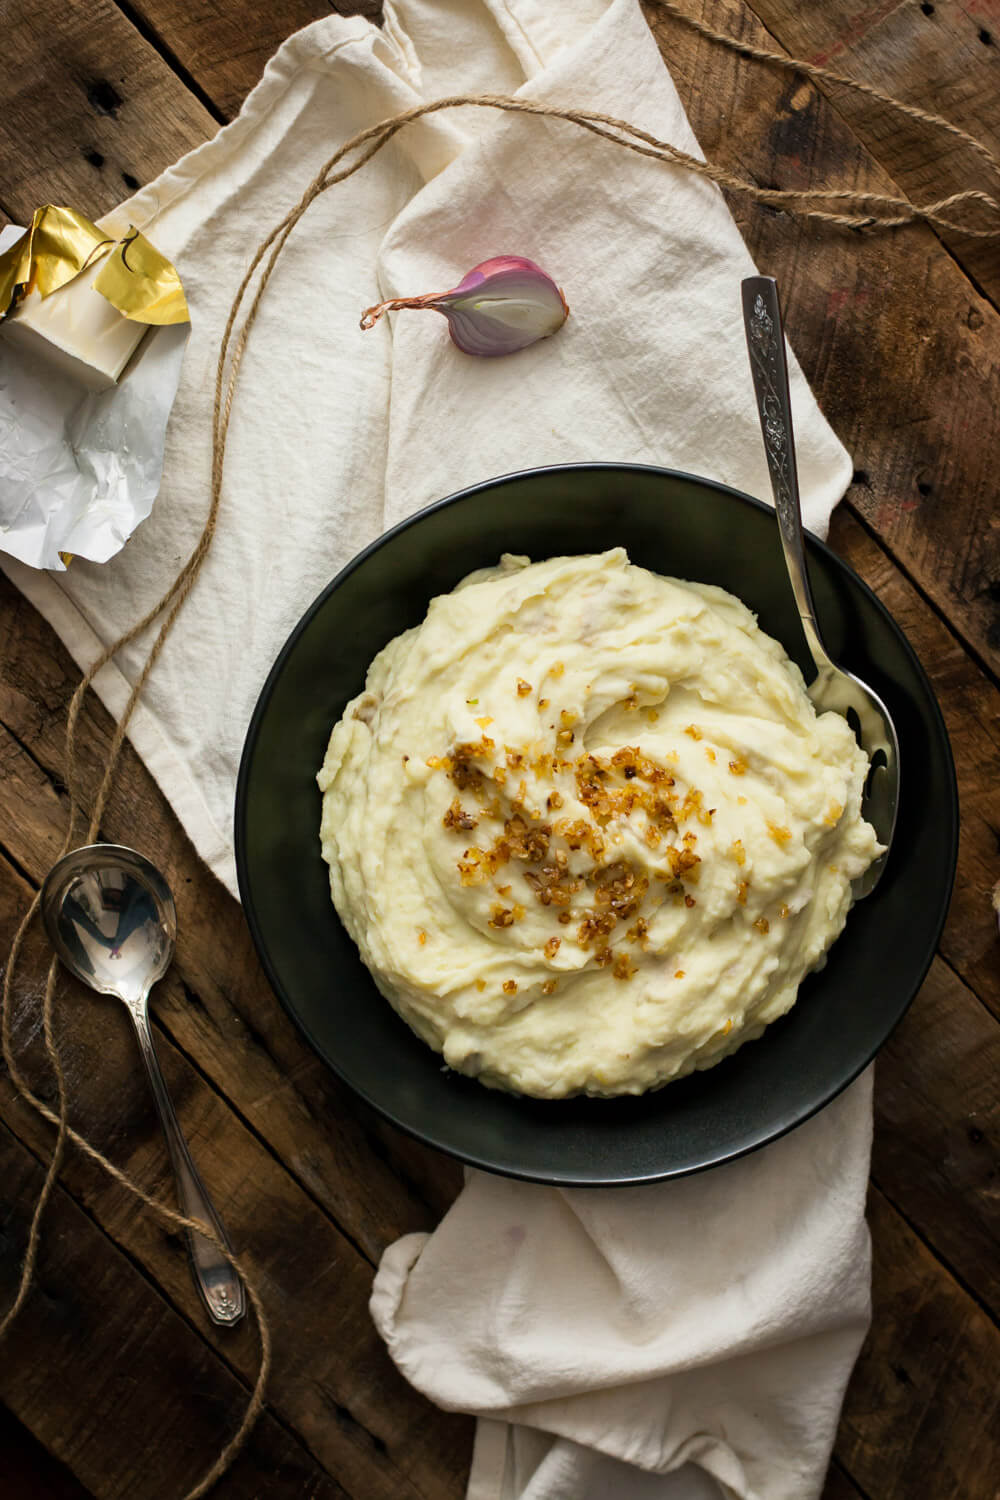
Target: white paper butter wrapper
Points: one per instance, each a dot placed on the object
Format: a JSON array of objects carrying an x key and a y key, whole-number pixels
[{"x": 80, "y": 468}]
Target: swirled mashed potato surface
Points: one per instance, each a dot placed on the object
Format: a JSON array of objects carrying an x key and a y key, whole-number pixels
[{"x": 586, "y": 827}]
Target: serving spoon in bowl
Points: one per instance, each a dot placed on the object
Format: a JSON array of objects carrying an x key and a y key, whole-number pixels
[
  {"x": 832, "y": 689},
  {"x": 110, "y": 916}
]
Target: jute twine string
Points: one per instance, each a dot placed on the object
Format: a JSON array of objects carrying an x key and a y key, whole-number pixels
[{"x": 844, "y": 208}]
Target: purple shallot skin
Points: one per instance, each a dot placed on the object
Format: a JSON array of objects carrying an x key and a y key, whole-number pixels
[{"x": 502, "y": 305}]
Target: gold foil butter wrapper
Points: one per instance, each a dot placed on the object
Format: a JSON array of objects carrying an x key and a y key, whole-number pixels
[
  {"x": 60, "y": 243},
  {"x": 92, "y": 336}
]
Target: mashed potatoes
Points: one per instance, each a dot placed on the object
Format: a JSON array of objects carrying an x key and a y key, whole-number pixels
[{"x": 586, "y": 828}]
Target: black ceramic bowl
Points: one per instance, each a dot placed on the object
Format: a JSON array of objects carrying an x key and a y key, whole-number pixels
[{"x": 672, "y": 523}]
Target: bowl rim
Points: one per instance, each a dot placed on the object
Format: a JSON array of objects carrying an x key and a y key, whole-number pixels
[{"x": 554, "y": 1177}]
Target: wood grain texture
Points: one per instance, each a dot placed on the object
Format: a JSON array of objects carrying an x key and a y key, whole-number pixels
[
  {"x": 926, "y": 1101},
  {"x": 937, "y": 1129},
  {"x": 839, "y": 1484},
  {"x": 141, "y": 1402},
  {"x": 214, "y": 45},
  {"x": 971, "y": 706},
  {"x": 934, "y": 1083},
  {"x": 942, "y": 57},
  {"x": 91, "y": 111},
  {"x": 217, "y": 1006},
  {"x": 28, "y": 1471},
  {"x": 904, "y": 352},
  {"x": 901, "y": 350},
  {"x": 337, "y": 1389},
  {"x": 922, "y": 1415}
]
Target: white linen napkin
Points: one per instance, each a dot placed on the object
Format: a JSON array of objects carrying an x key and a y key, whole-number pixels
[
  {"x": 713, "y": 1320},
  {"x": 643, "y": 1339}
]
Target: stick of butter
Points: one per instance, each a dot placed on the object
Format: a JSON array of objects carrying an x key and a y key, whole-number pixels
[
  {"x": 78, "y": 330},
  {"x": 82, "y": 299}
]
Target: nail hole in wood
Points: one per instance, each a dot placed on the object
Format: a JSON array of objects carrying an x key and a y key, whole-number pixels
[{"x": 105, "y": 97}]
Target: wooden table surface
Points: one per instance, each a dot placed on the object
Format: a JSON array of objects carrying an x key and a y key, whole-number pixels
[{"x": 112, "y": 1383}]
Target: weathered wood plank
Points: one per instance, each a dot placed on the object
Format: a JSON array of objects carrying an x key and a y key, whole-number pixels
[
  {"x": 971, "y": 707},
  {"x": 936, "y": 1152},
  {"x": 128, "y": 1396},
  {"x": 337, "y": 1389},
  {"x": 902, "y": 352},
  {"x": 91, "y": 111},
  {"x": 224, "y": 1013},
  {"x": 216, "y": 47},
  {"x": 828, "y": 301},
  {"x": 28, "y": 1471},
  {"x": 942, "y": 57},
  {"x": 228, "y": 1009},
  {"x": 894, "y": 1313},
  {"x": 840, "y": 1486},
  {"x": 922, "y": 1415}
]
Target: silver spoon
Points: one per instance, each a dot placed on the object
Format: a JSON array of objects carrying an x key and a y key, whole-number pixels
[
  {"x": 832, "y": 689},
  {"x": 110, "y": 916}
]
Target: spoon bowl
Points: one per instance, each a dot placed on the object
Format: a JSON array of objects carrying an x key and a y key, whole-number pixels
[{"x": 110, "y": 916}]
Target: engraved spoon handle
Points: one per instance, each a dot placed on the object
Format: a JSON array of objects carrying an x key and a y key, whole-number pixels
[
  {"x": 217, "y": 1281},
  {"x": 769, "y": 369}
]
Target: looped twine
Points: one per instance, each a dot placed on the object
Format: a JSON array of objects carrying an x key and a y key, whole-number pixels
[{"x": 868, "y": 211}]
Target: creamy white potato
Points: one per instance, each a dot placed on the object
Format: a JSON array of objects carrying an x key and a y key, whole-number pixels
[{"x": 586, "y": 827}]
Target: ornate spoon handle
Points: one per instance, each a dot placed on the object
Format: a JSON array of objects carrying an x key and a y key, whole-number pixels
[
  {"x": 769, "y": 369},
  {"x": 220, "y": 1287}
]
